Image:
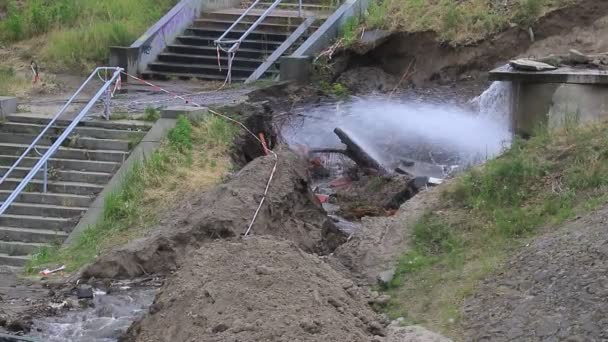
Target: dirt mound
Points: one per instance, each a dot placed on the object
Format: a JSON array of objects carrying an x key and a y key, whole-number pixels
[
  {"x": 291, "y": 212},
  {"x": 257, "y": 289},
  {"x": 554, "y": 289},
  {"x": 367, "y": 80},
  {"x": 373, "y": 196}
]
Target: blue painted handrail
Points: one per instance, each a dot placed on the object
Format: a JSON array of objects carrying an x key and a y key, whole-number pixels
[{"x": 66, "y": 132}]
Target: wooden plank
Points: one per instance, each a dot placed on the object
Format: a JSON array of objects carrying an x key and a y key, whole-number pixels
[{"x": 281, "y": 50}]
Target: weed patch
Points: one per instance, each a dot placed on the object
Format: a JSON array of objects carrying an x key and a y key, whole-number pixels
[
  {"x": 489, "y": 212},
  {"x": 193, "y": 158},
  {"x": 455, "y": 20},
  {"x": 80, "y": 32},
  {"x": 11, "y": 84}
]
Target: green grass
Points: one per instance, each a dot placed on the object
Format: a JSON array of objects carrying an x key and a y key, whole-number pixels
[
  {"x": 489, "y": 212},
  {"x": 458, "y": 21},
  {"x": 334, "y": 89},
  {"x": 79, "y": 33},
  {"x": 192, "y": 158},
  {"x": 11, "y": 84},
  {"x": 151, "y": 114}
]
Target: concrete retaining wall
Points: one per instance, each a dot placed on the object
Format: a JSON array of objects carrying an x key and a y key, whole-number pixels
[
  {"x": 330, "y": 30},
  {"x": 298, "y": 66},
  {"x": 553, "y": 104},
  {"x": 135, "y": 58}
]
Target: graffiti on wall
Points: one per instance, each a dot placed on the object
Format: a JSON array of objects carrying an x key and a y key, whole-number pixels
[{"x": 152, "y": 45}]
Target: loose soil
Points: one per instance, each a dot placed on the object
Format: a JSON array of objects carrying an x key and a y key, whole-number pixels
[
  {"x": 258, "y": 289},
  {"x": 554, "y": 289},
  {"x": 291, "y": 212}
]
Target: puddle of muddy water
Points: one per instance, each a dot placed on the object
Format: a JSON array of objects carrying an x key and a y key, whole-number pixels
[{"x": 109, "y": 317}]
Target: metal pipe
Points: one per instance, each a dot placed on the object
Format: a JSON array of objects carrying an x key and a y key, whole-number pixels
[
  {"x": 44, "y": 159},
  {"x": 300, "y": 8},
  {"x": 61, "y": 111},
  {"x": 45, "y": 177}
]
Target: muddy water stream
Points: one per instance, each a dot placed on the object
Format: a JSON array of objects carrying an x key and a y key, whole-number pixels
[{"x": 105, "y": 320}]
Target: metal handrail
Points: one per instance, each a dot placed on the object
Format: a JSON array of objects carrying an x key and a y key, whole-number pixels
[
  {"x": 66, "y": 132},
  {"x": 237, "y": 42}
]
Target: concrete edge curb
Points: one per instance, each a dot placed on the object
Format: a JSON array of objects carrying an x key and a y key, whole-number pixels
[{"x": 145, "y": 148}]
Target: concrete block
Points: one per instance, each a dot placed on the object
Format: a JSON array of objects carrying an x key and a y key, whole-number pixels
[
  {"x": 126, "y": 58},
  {"x": 296, "y": 68},
  {"x": 8, "y": 105},
  {"x": 192, "y": 113}
]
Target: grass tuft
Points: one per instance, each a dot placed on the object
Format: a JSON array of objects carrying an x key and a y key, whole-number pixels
[{"x": 458, "y": 21}]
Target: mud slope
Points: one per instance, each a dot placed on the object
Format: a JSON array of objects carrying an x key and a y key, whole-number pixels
[
  {"x": 435, "y": 61},
  {"x": 378, "y": 244},
  {"x": 553, "y": 290},
  {"x": 257, "y": 290},
  {"x": 291, "y": 212}
]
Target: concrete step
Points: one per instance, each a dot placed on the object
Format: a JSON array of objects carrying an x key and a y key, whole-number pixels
[
  {"x": 244, "y": 25},
  {"x": 306, "y": 8},
  {"x": 45, "y": 210},
  {"x": 259, "y": 44},
  {"x": 66, "y": 153},
  {"x": 38, "y": 222},
  {"x": 160, "y": 75},
  {"x": 73, "y": 188},
  {"x": 74, "y": 142},
  {"x": 32, "y": 235},
  {"x": 67, "y": 200},
  {"x": 92, "y": 132},
  {"x": 235, "y": 34},
  {"x": 212, "y": 51},
  {"x": 288, "y": 18},
  {"x": 15, "y": 248},
  {"x": 61, "y": 175},
  {"x": 17, "y": 261},
  {"x": 198, "y": 59},
  {"x": 127, "y": 125},
  {"x": 206, "y": 69},
  {"x": 64, "y": 164}
]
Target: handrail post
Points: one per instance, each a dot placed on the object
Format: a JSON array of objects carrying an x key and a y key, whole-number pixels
[
  {"x": 106, "y": 105},
  {"x": 45, "y": 177},
  {"x": 300, "y": 8}
]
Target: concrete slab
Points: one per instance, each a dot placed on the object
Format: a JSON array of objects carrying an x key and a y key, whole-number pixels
[
  {"x": 561, "y": 75},
  {"x": 191, "y": 112},
  {"x": 8, "y": 105},
  {"x": 296, "y": 68}
]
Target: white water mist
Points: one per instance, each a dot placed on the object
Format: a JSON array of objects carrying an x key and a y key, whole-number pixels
[{"x": 392, "y": 130}]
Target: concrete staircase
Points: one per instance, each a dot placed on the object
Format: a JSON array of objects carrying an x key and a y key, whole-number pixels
[
  {"x": 77, "y": 173},
  {"x": 194, "y": 54}
]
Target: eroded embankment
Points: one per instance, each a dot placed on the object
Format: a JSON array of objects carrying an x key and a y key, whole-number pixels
[
  {"x": 428, "y": 59},
  {"x": 290, "y": 212}
]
